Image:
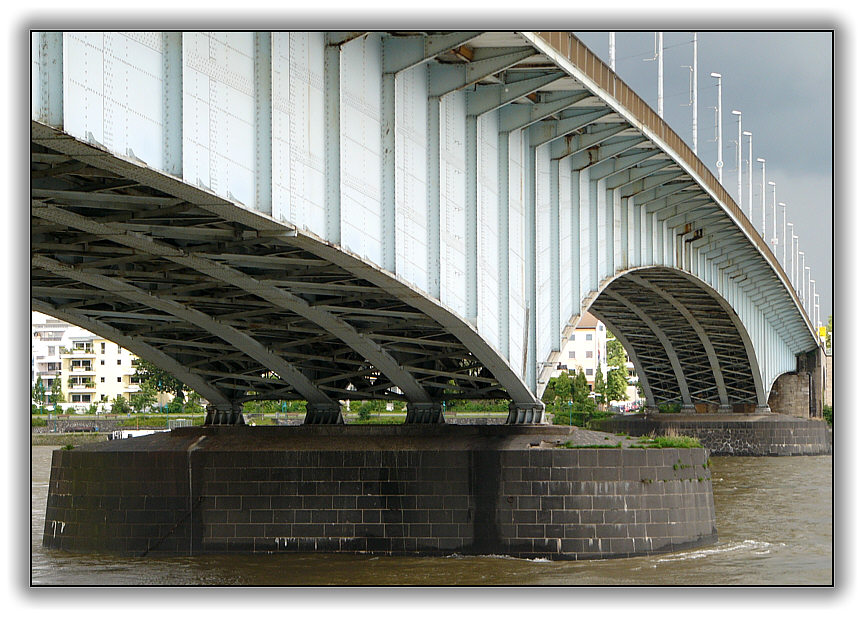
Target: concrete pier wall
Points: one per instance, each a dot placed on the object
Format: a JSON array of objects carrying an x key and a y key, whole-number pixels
[{"x": 400, "y": 490}]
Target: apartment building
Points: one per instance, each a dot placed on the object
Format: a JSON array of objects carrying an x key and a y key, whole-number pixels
[
  {"x": 585, "y": 348},
  {"x": 95, "y": 370},
  {"x": 45, "y": 341}
]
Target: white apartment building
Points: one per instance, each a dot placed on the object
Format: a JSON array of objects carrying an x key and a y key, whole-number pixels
[
  {"x": 91, "y": 369},
  {"x": 45, "y": 341},
  {"x": 586, "y": 348},
  {"x": 95, "y": 370}
]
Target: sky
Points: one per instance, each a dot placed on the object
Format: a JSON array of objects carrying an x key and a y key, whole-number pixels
[{"x": 781, "y": 82}]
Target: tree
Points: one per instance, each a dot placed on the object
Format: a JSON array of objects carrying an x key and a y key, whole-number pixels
[
  {"x": 828, "y": 332},
  {"x": 143, "y": 399},
  {"x": 39, "y": 393},
  {"x": 56, "y": 395},
  {"x": 193, "y": 403},
  {"x": 119, "y": 405},
  {"x": 581, "y": 399},
  {"x": 600, "y": 386},
  {"x": 158, "y": 379},
  {"x": 616, "y": 378}
]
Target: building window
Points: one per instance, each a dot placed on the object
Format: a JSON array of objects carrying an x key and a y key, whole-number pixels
[
  {"x": 118, "y": 361},
  {"x": 573, "y": 337},
  {"x": 589, "y": 336},
  {"x": 101, "y": 380},
  {"x": 119, "y": 379},
  {"x": 572, "y": 354},
  {"x": 589, "y": 354},
  {"x": 102, "y": 362},
  {"x": 103, "y": 347},
  {"x": 50, "y": 351},
  {"x": 589, "y": 372}
]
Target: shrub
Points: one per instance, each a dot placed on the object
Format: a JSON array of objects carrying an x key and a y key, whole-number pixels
[{"x": 828, "y": 414}]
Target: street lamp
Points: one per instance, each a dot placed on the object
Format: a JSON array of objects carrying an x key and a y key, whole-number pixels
[
  {"x": 782, "y": 205},
  {"x": 719, "y": 78},
  {"x": 794, "y": 261},
  {"x": 774, "y": 214},
  {"x": 749, "y": 176},
  {"x": 735, "y": 112},
  {"x": 763, "y": 195}
]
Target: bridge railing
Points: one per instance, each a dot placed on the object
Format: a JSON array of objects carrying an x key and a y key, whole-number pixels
[{"x": 603, "y": 76}]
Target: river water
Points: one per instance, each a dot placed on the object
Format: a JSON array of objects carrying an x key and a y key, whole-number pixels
[{"x": 774, "y": 521}]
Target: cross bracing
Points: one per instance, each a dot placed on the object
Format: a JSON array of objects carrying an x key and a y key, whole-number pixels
[{"x": 407, "y": 215}]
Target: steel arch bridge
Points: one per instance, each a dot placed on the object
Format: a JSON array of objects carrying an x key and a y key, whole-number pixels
[{"x": 405, "y": 215}]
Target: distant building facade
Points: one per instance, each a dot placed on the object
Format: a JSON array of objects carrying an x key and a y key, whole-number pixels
[{"x": 91, "y": 369}]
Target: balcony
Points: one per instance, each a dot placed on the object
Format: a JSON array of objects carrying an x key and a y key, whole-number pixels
[
  {"x": 77, "y": 352},
  {"x": 82, "y": 369}
]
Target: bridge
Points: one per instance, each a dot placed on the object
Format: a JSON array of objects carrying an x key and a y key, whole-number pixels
[{"x": 414, "y": 216}]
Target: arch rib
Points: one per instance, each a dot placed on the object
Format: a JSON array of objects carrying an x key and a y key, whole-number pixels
[
  {"x": 240, "y": 340},
  {"x": 366, "y": 347},
  {"x": 700, "y": 332},
  {"x": 664, "y": 340},
  {"x": 139, "y": 348}
]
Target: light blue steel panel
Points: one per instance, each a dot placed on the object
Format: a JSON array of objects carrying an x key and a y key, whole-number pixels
[
  {"x": 411, "y": 207},
  {"x": 298, "y": 129},
  {"x": 565, "y": 235},
  {"x": 586, "y": 234},
  {"x": 517, "y": 253},
  {"x": 83, "y": 85},
  {"x": 219, "y": 112},
  {"x": 453, "y": 202},
  {"x": 543, "y": 248},
  {"x": 113, "y": 86},
  {"x": 487, "y": 317},
  {"x": 361, "y": 147}
]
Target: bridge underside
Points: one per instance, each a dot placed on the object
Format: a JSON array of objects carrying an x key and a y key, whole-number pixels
[
  {"x": 687, "y": 345},
  {"x": 236, "y": 305}
]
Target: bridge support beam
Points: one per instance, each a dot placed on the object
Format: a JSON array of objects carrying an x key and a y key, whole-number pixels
[
  {"x": 424, "y": 413},
  {"x": 323, "y": 413},
  {"x": 521, "y": 413}
]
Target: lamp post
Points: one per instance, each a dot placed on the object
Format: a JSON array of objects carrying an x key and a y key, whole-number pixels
[
  {"x": 782, "y": 205},
  {"x": 660, "y": 74},
  {"x": 695, "y": 97},
  {"x": 719, "y": 78},
  {"x": 749, "y": 175},
  {"x": 774, "y": 215},
  {"x": 738, "y": 153},
  {"x": 801, "y": 276},
  {"x": 763, "y": 195},
  {"x": 612, "y": 50},
  {"x": 794, "y": 261}
]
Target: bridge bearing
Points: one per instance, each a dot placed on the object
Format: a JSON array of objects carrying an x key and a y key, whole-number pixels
[
  {"x": 220, "y": 415},
  {"x": 323, "y": 413},
  {"x": 424, "y": 413},
  {"x": 526, "y": 413}
]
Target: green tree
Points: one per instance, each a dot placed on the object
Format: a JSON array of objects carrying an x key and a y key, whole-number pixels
[
  {"x": 56, "y": 395},
  {"x": 600, "y": 386},
  {"x": 193, "y": 403},
  {"x": 829, "y": 331},
  {"x": 119, "y": 405},
  {"x": 39, "y": 393},
  {"x": 144, "y": 398},
  {"x": 616, "y": 378},
  {"x": 158, "y": 379},
  {"x": 582, "y": 400}
]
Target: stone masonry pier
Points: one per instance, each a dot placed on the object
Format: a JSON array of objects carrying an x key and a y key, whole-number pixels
[
  {"x": 732, "y": 434},
  {"x": 396, "y": 490}
]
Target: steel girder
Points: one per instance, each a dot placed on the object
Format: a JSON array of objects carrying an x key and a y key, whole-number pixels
[{"x": 633, "y": 207}]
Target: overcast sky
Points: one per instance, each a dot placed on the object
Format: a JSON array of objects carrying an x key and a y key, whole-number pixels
[{"x": 782, "y": 84}]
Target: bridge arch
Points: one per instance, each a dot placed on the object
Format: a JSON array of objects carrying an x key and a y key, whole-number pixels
[{"x": 687, "y": 342}]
